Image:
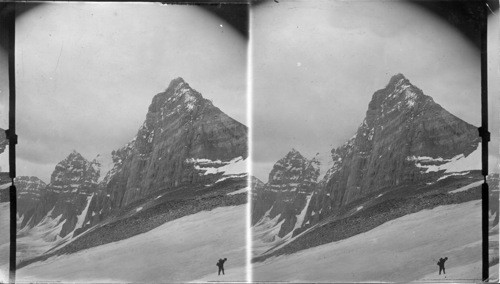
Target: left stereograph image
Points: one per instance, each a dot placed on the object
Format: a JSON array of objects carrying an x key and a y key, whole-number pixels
[{"x": 132, "y": 152}]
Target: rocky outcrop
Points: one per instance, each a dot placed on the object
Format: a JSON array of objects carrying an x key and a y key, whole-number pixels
[
  {"x": 284, "y": 199},
  {"x": 32, "y": 200},
  {"x": 73, "y": 183}
]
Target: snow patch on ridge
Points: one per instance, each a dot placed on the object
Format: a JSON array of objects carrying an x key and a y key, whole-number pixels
[
  {"x": 459, "y": 163},
  {"x": 302, "y": 215},
  {"x": 81, "y": 217},
  {"x": 236, "y": 166},
  {"x": 467, "y": 187},
  {"x": 190, "y": 100},
  {"x": 243, "y": 190},
  {"x": 324, "y": 164}
]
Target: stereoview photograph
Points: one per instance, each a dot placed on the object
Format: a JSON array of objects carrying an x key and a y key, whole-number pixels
[{"x": 249, "y": 141}]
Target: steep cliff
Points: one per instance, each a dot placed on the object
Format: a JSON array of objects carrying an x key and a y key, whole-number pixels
[
  {"x": 405, "y": 138},
  {"x": 183, "y": 135}
]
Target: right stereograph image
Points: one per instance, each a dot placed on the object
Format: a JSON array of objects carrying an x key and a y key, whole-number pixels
[{"x": 365, "y": 144}]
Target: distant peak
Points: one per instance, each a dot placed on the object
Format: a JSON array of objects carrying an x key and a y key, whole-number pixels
[
  {"x": 74, "y": 155},
  {"x": 294, "y": 153},
  {"x": 399, "y": 76}
]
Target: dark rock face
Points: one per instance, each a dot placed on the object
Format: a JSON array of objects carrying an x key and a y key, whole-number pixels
[
  {"x": 291, "y": 183},
  {"x": 73, "y": 182},
  {"x": 75, "y": 172},
  {"x": 32, "y": 201},
  {"x": 180, "y": 125},
  {"x": 401, "y": 122}
]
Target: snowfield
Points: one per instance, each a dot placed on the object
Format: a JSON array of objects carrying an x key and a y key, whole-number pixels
[
  {"x": 182, "y": 250},
  {"x": 401, "y": 250}
]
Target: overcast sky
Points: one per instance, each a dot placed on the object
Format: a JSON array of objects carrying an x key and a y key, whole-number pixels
[
  {"x": 317, "y": 65},
  {"x": 86, "y": 73}
]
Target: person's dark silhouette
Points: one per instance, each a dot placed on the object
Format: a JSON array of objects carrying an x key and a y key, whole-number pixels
[
  {"x": 220, "y": 264},
  {"x": 441, "y": 265}
]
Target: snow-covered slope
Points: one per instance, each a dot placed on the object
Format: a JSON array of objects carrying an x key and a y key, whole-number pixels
[
  {"x": 182, "y": 250},
  {"x": 401, "y": 250}
]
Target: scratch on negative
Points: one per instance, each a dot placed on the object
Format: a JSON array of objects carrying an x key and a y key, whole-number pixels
[{"x": 60, "y": 52}]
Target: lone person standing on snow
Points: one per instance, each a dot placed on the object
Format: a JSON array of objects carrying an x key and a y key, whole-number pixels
[
  {"x": 220, "y": 264},
  {"x": 441, "y": 265}
]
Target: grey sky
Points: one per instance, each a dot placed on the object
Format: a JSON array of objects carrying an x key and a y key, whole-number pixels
[
  {"x": 86, "y": 73},
  {"x": 317, "y": 64}
]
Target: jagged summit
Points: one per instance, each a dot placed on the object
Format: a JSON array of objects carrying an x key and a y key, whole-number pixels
[
  {"x": 398, "y": 96},
  {"x": 175, "y": 82},
  {"x": 396, "y": 78},
  {"x": 294, "y": 153},
  {"x": 74, "y": 169},
  {"x": 29, "y": 183},
  {"x": 74, "y": 155},
  {"x": 292, "y": 167},
  {"x": 179, "y": 95}
]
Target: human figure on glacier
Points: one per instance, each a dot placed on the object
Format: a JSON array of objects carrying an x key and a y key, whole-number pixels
[
  {"x": 441, "y": 265},
  {"x": 220, "y": 264}
]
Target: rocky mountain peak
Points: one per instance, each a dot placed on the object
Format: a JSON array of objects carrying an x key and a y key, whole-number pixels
[
  {"x": 401, "y": 123},
  {"x": 287, "y": 193},
  {"x": 74, "y": 154},
  {"x": 293, "y": 168},
  {"x": 294, "y": 154},
  {"x": 178, "y": 99},
  {"x": 399, "y": 95},
  {"x": 180, "y": 126},
  {"x": 29, "y": 183},
  {"x": 73, "y": 171},
  {"x": 396, "y": 78},
  {"x": 177, "y": 82}
]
